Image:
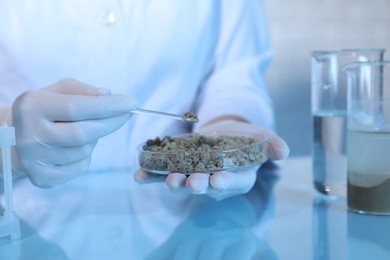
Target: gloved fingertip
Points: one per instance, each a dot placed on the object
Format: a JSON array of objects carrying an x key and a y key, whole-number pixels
[
  {"x": 278, "y": 152},
  {"x": 140, "y": 176},
  {"x": 284, "y": 152},
  {"x": 197, "y": 183},
  {"x": 175, "y": 181},
  {"x": 219, "y": 182}
]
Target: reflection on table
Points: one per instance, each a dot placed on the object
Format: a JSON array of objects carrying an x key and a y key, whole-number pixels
[
  {"x": 309, "y": 225},
  {"x": 106, "y": 215}
]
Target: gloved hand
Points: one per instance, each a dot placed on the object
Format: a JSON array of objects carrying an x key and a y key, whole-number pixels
[
  {"x": 57, "y": 128},
  {"x": 221, "y": 185}
]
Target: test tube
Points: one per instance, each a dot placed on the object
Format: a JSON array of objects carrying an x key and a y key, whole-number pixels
[
  {"x": 10, "y": 225},
  {"x": 7, "y": 139}
]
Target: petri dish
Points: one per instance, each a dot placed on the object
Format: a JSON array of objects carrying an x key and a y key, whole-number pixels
[{"x": 202, "y": 152}]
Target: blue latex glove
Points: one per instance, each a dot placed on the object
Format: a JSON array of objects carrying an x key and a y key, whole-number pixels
[
  {"x": 57, "y": 128},
  {"x": 221, "y": 185}
]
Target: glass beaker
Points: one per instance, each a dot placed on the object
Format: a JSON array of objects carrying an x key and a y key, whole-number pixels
[
  {"x": 329, "y": 113},
  {"x": 368, "y": 136}
]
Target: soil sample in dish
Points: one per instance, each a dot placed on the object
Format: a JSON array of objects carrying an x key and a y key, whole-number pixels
[
  {"x": 374, "y": 199},
  {"x": 201, "y": 153},
  {"x": 190, "y": 116}
]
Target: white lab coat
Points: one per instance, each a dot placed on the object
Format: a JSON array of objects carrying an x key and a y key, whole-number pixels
[{"x": 171, "y": 55}]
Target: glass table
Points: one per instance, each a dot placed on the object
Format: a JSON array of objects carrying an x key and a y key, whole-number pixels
[{"x": 106, "y": 215}]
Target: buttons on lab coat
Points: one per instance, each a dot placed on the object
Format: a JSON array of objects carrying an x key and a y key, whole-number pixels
[{"x": 106, "y": 17}]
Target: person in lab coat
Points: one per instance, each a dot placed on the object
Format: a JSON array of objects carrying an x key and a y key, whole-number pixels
[{"x": 71, "y": 72}]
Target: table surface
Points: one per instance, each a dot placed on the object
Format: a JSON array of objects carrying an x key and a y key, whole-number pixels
[{"x": 107, "y": 215}]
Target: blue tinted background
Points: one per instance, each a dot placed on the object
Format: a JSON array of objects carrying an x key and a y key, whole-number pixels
[{"x": 301, "y": 26}]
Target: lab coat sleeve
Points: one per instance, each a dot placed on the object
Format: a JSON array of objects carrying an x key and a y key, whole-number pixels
[{"x": 236, "y": 83}]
